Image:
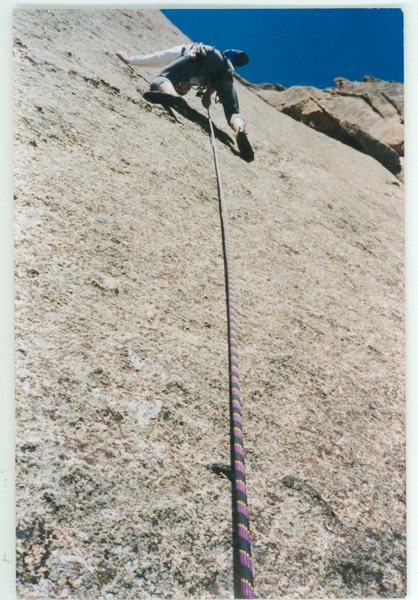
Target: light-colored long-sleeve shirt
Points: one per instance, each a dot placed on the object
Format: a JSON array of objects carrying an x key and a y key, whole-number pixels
[{"x": 159, "y": 59}]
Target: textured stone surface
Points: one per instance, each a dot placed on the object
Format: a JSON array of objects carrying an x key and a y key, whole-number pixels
[
  {"x": 366, "y": 115},
  {"x": 121, "y": 367}
]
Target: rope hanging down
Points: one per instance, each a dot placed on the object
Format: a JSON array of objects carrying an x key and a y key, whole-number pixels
[{"x": 241, "y": 538}]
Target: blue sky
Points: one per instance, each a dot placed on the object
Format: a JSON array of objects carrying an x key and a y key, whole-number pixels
[{"x": 303, "y": 46}]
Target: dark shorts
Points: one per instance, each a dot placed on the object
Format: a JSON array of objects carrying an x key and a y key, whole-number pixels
[{"x": 210, "y": 70}]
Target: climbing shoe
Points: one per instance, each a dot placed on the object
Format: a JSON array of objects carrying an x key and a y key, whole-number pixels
[
  {"x": 244, "y": 146},
  {"x": 165, "y": 99}
]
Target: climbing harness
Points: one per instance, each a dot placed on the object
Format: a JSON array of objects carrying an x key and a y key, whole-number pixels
[{"x": 242, "y": 561}]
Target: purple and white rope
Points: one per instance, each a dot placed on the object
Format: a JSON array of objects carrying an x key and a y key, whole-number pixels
[{"x": 242, "y": 561}]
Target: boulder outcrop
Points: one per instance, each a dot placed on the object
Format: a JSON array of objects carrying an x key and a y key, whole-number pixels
[{"x": 366, "y": 115}]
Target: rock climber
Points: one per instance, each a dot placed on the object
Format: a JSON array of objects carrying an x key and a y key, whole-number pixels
[{"x": 204, "y": 66}]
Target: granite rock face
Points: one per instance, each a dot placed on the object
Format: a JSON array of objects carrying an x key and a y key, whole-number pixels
[
  {"x": 121, "y": 358},
  {"x": 366, "y": 115}
]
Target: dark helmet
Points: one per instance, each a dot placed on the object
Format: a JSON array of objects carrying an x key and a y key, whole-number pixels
[{"x": 237, "y": 57}]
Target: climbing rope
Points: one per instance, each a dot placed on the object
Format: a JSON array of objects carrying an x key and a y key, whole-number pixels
[{"x": 241, "y": 538}]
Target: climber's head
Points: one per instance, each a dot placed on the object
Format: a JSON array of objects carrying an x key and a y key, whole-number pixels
[{"x": 237, "y": 57}]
